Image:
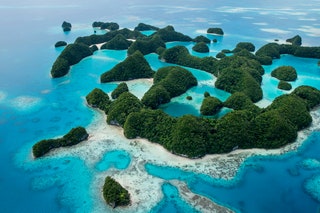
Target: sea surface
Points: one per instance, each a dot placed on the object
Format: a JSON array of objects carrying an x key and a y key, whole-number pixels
[{"x": 33, "y": 106}]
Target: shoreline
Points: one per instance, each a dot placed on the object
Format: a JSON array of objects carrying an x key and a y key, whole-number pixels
[{"x": 145, "y": 189}]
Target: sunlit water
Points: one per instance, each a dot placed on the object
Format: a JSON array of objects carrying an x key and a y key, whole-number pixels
[{"x": 33, "y": 106}]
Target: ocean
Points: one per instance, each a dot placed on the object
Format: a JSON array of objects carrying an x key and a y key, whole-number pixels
[{"x": 33, "y": 106}]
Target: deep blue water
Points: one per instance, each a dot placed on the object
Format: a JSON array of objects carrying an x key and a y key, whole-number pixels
[{"x": 33, "y": 106}]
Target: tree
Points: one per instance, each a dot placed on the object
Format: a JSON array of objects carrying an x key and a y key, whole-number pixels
[
  {"x": 98, "y": 98},
  {"x": 215, "y": 30},
  {"x": 114, "y": 194},
  {"x": 121, "y": 88},
  {"x": 210, "y": 106},
  {"x": 133, "y": 67},
  {"x": 285, "y": 73},
  {"x": 201, "y": 47}
]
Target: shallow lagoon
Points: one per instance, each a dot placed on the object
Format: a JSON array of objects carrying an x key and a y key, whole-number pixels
[{"x": 33, "y": 106}]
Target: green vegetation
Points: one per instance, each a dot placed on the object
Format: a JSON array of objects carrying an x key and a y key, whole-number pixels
[
  {"x": 155, "y": 125},
  {"x": 210, "y": 106},
  {"x": 273, "y": 50},
  {"x": 190, "y": 137},
  {"x": 97, "y": 39},
  {"x": 285, "y": 73},
  {"x": 220, "y": 55},
  {"x": 181, "y": 56},
  {"x": 202, "y": 38},
  {"x": 169, "y": 82},
  {"x": 94, "y": 48},
  {"x": 147, "y": 45},
  {"x": 114, "y": 194},
  {"x": 109, "y": 26},
  {"x": 169, "y": 34},
  {"x": 98, "y": 99},
  {"x": 201, "y": 47},
  {"x": 60, "y": 44},
  {"x": 119, "y": 42},
  {"x": 121, "y": 88},
  {"x": 296, "y": 40},
  {"x": 66, "y": 26},
  {"x": 189, "y": 98},
  {"x": 247, "y": 126},
  {"x": 119, "y": 110},
  {"x": 284, "y": 85},
  {"x": 133, "y": 67},
  {"x": 232, "y": 131},
  {"x": 293, "y": 109},
  {"x": 240, "y": 101},
  {"x": 73, "y": 137},
  {"x": 71, "y": 55},
  {"x": 244, "y": 45},
  {"x": 309, "y": 94},
  {"x": 144, "y": 27},
  {"x": 215, "y": 30},
  {"x": 271, "y": 130},
  {"x": 240, "y": 74}
]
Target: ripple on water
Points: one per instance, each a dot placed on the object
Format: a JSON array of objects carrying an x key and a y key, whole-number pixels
[
  {"x": 312, "y": 187},
  {"x": 118, "y": 159},
  {"x": 25, "y": 103}
]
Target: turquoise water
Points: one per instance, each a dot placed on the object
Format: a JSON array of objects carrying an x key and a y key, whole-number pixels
[
  {"x": 33, "y": 106},
  {"x": 118, "y": 159}
]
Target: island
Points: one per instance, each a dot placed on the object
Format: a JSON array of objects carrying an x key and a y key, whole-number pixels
[
  {"x": 285, "y": 73},
  {"x": 201, "y": 47},
  {"x": 66, "y": 26},
  {"x": 73, "y": 137},
  {"x": 133, "y": 67},
  {"x": 60, "y": 44},
  {"x": 215, "y": 30},
  {"x": 238, "y": 72},
  {"x": 114, "y": 194}
]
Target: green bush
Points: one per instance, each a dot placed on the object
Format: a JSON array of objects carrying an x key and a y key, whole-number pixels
[
  {"x": 244, "y": 45},
  {"x": 309, "y": 94},
  {"x": 293, "y": 109},
  {"x": 133, "y": 67},
  {"x": 94, "y": 48},
  {"x": 168, "y": 34},
  {"x": 215, "y": 30},
  {"x": 110, "y": 26},
  {"x": 66, "y": 26},
  {"x": 201, "y": 47},
  {"x": 202, "y": 38},
  {"x": 72, "y": 54},
  {"x": 272, "y": 130},
  {"x": 147, "y": 45},
  {"x": 119, "y": 42},
  {"x": 189, "y": 98},
  {"x": 190, "y": 137},
  {"x": 156, "y": 96},
  {"x": 240, "y": 101},
  {"x": 60, "y": 44},
  {"x": 284, "y": 85},
  {"x": 144, "y": 27},
  {"x": 98, "y": 99},
  {"x": 220, "y": 55},
  {"x": 296, "y": 40},
  {"x": 285, "y": 73},
  {"x": 169, "y": 82},
  {"x": 119, "y": 110},
  {"x": 154, "y": 125},
  {"x": 181, "y": 56},
  {"x": 73, "y": 137},
  {"x": 121, "y": 88},
  {"x": 232, "y": 131},
  {"x": 114, "y": 194},
  {"x": 210, "y": 106},
  {"x": 60, "y": 68}
]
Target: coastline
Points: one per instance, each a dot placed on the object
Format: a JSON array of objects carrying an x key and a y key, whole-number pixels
[{"x": 145, "y": 189}]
